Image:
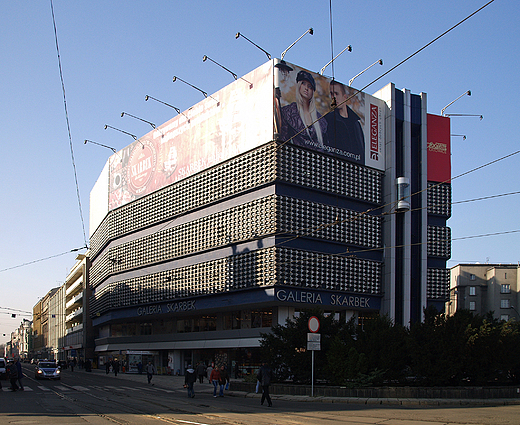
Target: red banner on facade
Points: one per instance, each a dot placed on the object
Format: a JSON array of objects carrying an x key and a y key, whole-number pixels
[{"x": 439, "y": 149}]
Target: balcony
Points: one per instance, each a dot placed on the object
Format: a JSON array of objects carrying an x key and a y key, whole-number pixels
[
  {"x": 74, "y": 329},
  {"x": 74, "y": 314},
  {"x": 75, "y": 286},
  {"x": 74, "y": 300}
]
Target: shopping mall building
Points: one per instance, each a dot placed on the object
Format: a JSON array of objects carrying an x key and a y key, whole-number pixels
[{"x": 234, "y": 216}]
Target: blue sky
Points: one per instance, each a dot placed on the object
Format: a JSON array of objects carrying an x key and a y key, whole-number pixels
[{"x": 113, "y": 53}]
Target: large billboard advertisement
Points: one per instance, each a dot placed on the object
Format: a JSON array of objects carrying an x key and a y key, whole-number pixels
[
  {"x": 223, "y": 125},
  {"x": 273, "y": 101},
  {"x": 439, "y": 149},
  {"x": 352, "y": 130}
]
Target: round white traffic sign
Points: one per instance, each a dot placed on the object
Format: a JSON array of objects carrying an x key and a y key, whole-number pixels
[{"x": 314, "y": 324}]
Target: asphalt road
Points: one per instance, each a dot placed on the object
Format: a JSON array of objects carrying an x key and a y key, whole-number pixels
[{"x": 97, "y": 398}]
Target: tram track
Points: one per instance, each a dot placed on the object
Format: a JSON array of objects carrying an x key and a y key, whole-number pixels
[{"x": 110, "y": 402}]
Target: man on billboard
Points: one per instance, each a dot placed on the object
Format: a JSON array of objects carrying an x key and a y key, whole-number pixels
[{"x": 344, "y": 131}]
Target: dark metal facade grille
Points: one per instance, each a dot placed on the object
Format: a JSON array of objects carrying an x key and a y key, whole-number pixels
[
  {"x": 263, "y": 267},
  {"x": 439, "y": 199},
  {"x": 438, "y": 284}
]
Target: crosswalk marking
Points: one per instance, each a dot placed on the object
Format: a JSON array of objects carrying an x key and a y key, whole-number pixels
[
  {"x": 111, "y": 388},
  {"x": 132, "y": 388},
  {"x": 80, "y": 388},
  {"x": 115, "y": 388}
]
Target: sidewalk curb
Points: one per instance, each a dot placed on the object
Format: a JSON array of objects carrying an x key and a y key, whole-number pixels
[{"x": 172, "y": 382}]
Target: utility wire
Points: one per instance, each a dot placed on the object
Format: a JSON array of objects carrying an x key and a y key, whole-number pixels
[
  {"x": 68, "y": 127},
  {"x": 346, "y": 100},
  {"x": 13, "y": 309},
  {"x": 322, "y": 226},
  {"x": 360, "y": 215},
  {"x": 42, "y": 259},
  {"x": 390, "y": 70}
]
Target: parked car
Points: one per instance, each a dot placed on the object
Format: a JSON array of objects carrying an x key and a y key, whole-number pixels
[
  {"x": 47, "y": 369},
  {"x": 2, "y": 368}
]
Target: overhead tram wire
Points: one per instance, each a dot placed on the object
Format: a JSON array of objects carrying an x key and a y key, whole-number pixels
[
  {"x": 465, "y": 201},
  {"x": 68, "y": 128},
  {"x": 356, "y": 92},
  {"x": 350, "y": 253},
  {"x": 389, "y": 204},
  {"x": 310, "y": 231},
  {"x": 42, "y": 259},
  {"x": 362, "y": 89}
]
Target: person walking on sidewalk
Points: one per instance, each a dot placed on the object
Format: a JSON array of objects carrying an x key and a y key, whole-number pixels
[
  {"x": 150, "y": 371},
  {"x": 209, "y": 369},
  {"x": 115, "y": 366},
  {"x": 201, "y": 371},
  {"x": 265, "y": 375},
  {"x": 20, "y": 373},
  {"x": 224, "y": 379},
  {"x": 215, "y": 380},
  {"x": 189, "y": 380},
  {"x": 12, "y": 373}
]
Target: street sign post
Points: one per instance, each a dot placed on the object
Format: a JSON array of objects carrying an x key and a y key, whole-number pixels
[{"x": 313, "y": 344}]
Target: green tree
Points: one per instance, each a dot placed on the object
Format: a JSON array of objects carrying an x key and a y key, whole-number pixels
[{"x": 285, "y": 348}]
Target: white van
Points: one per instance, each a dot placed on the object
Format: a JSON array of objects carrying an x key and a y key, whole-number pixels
[{"x": 2, "y": 368}]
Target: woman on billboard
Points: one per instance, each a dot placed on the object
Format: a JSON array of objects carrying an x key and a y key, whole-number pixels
[{"x": 301, "y": 122}]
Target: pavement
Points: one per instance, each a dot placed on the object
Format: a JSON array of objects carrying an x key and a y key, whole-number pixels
[{"x": 172, "y": 382}]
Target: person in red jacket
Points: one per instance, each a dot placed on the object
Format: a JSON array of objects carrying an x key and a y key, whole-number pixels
[{"x": 215, "y": 380}]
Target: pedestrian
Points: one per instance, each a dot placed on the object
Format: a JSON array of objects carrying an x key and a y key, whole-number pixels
[
  {"x": 189, "y": 380},
  {"x": 150, "y": 371},
  {"x": 72, "y": 365},
  {"x": 107, "y": 367},
  {"x": 209, "y": 369},
  {"x": 224, "y": 380},
  {"x": 140, "y": 367},
  {"x": 201, "y": 371},
  {"x": 20, "y": 373},
  {"x": 115, "y": 366},
  {"x": 214, "y": 378},
  {"x": 12, "y": 373},
  {"x": 265, "y": 376}
]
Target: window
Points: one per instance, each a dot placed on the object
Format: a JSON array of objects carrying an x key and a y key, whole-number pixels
[
  {"x": 184, "y": 325},
  {"x": 261, "y": 318},
  {"x": 232, "y": 320},
  {"x": 505, "y": 289},
  {"x": 504, "y": 304},
  {"x": 472, "y": 305},
  {"x": 471, "y": 277},
  {"x": 505, "y": 275},
  {"x": 504, "y": 317},
  {"x": 472, "y": 290}
]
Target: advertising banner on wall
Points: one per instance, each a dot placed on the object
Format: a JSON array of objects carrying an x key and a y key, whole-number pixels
[
  {"x": 225, "y": 124},
  {"x": 273, "y": 101},
  {"x": 304, "y": 116},
  {"x": 439, "y": 149}
]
